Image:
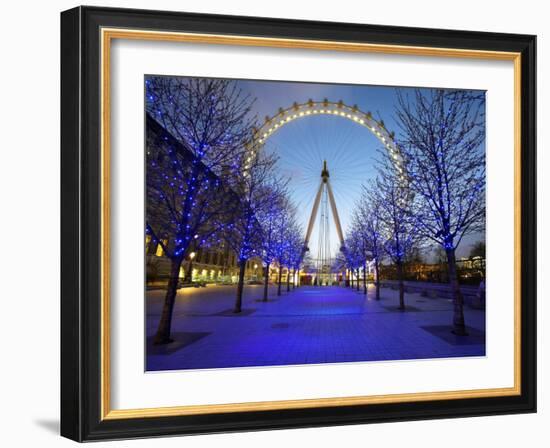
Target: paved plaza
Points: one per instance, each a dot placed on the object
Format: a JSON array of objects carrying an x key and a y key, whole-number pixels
[{"x": 304, "y": 326}]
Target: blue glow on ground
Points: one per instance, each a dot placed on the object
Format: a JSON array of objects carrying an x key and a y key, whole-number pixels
[{"x": 309, "y": 325}]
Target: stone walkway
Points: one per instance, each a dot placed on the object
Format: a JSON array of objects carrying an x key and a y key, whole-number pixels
[{"x": 305, "y": 326}]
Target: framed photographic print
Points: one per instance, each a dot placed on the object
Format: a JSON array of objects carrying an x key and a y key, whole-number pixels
[{"x": 274, "y": 224}]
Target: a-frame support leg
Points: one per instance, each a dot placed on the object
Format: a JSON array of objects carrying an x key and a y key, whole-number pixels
[
  {"x": 313, "y": 216},
  {"x": 335, "y": 214}
]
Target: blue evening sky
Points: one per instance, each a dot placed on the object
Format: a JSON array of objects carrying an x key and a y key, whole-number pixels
[{"x": 349, "y": 149}]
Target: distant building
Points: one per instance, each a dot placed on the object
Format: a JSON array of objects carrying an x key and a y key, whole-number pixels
[
  {"x": 470, "y": 271},
  {"x": 204, "y": 264}
]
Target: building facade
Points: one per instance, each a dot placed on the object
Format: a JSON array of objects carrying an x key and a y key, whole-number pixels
[{"x": 205, "y": 265}]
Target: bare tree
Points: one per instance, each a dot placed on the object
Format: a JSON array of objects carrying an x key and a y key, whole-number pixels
[
  {"x": 477, "y": 250},
  {"x": 443, "y": 135},
  {"x": 207, "y": 125},
  {"x": 356, "y": 245},
  {"x": 355, "y": 252},
  {"x": 399, "y": 223},
  {"x": 295, "y": 253},
  {"x": 371, "y": 216},
  {"x": 258, "y": 189},
  {"x": 285, "y": 226},
  {"x": 268, "y": 218},
  {"x": 367, "y": 231}
]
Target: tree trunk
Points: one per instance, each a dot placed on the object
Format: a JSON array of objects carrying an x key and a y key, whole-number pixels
[
  {"x": 351, "y": 279},
  {"x": 240, "y": 287},
  {"x": 293, "y": 278},
  {"x": 377, "y": 273},
  {"x": 279, "y": 281},
  {"x": 459, "y": 327},
  {"x": 165, "y": 324},
  {"x": 357, "y": 277},
  {"x": 266, "y": 282},
  {"x": 189, "y": 272},
  {"x": 401, "y": 285},
  {"x": 364, "y": 278}
]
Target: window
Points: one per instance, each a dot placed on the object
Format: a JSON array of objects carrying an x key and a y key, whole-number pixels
[{"x": 160, "y": 252}]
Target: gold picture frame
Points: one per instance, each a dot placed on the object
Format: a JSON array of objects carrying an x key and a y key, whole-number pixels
[{"x": 117, "y": 25}]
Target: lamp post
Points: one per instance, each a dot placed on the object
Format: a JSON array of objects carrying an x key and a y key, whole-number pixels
[
  {"x": 189, "y": 274},
  {"x": 255, "y": 271}
]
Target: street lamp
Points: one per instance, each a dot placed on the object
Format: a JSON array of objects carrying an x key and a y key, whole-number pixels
[
  {"x": 189, "y": 275},
  {"x": 256, "y": 271}
]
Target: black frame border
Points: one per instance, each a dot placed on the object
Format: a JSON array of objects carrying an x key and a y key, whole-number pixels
[{"x": 81, "y": 223}]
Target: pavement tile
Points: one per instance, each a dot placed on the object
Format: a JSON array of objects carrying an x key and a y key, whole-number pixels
[{"x": 306, "y": 325}]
